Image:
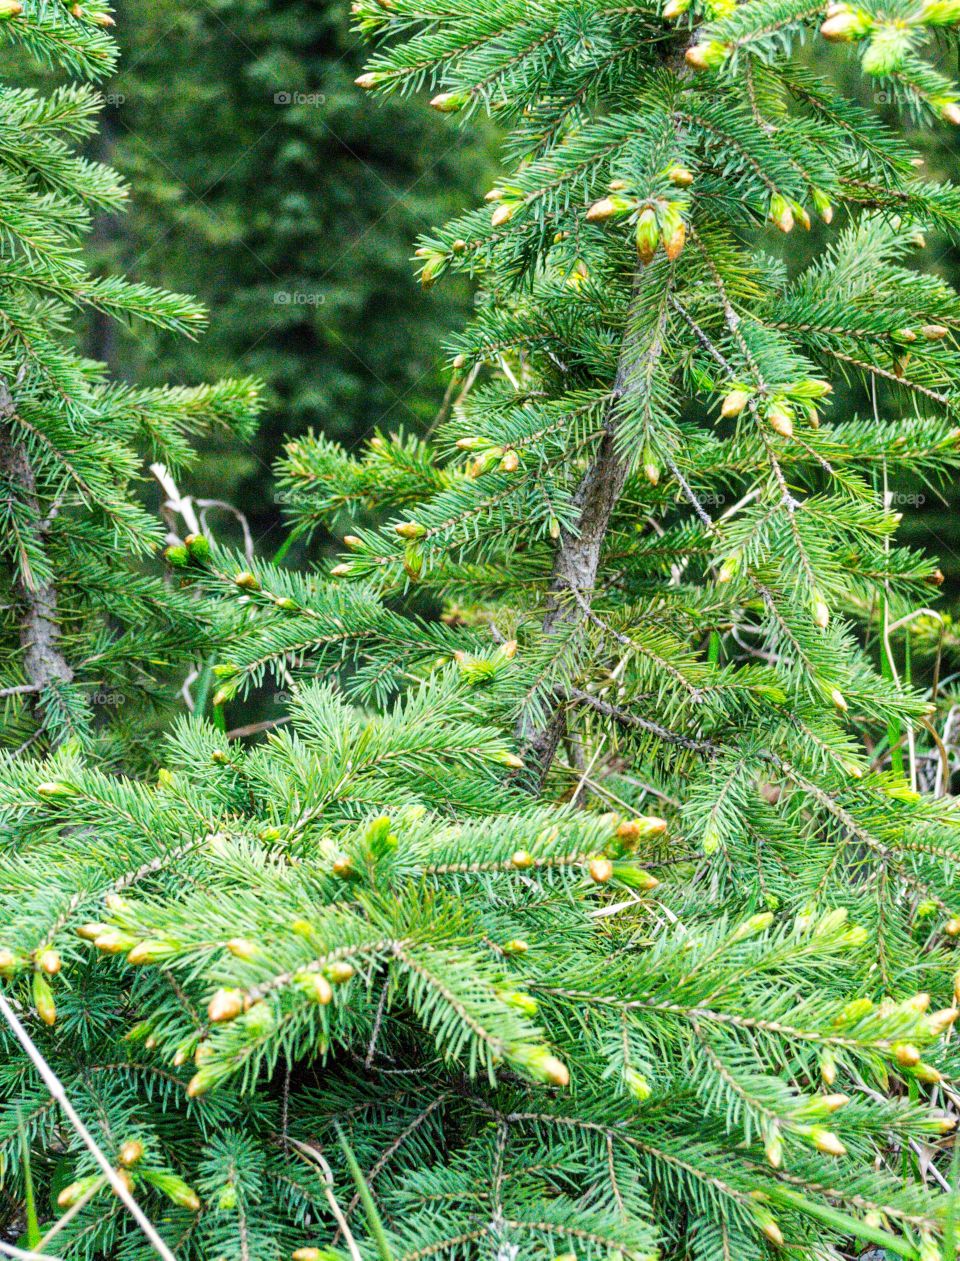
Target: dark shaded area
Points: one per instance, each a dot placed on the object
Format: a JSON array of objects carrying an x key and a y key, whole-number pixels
[{"x": 274, "y": 189}]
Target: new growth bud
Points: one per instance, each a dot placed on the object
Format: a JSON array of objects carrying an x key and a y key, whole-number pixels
[
  {"x": 708, "y": 56},
  {"x": 370, "y": 80},
  {"x": 542, "y": 1066},
  {"x": 734, "y": 403},
  {"x": 679, "y": 175},
  {"x": 781, "y": 216},
  {"x": 845, "y": 24},
  {"x": 601, "y": 869},
  {"x": 131, "y": 1153},
  {"x": 225, "y": 1005},
  {"x": 450, "y": 102}
]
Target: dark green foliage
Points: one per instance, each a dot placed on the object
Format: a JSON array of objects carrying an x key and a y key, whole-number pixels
[{"x": 266, "y": 184}]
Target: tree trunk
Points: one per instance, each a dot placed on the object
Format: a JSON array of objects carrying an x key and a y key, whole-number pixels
[
  {"x": 43, "y": 661},
  {"x": 578, "y": 551}
]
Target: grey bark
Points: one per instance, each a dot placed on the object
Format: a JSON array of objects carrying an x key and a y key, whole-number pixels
[
  {"x": 578, "y": 551},
  {"x": 43, "y": 660}
]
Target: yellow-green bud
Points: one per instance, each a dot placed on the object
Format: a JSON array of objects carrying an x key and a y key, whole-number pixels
[
  {"x": 640, "y": 827},
  {"x": 518, "y": 999},
  {"x": 827, "y": 1142},
  {"x": 51, "y": 789},
  {"x": 131, "y": 1153},
  {"x": 542, "y": 1066},
  {"x": 77, "y": 1190},
  {"x": 316, "y": 987},
  {"x": 708, "y": 56},
  {"x": 176, "y": 555},
  {"x": 734, "y": 403},
  {"x": 906, "y": 1054},
  {"x": 647, "y": 234},
  {"x": 226, "y": 1004},
  {"x": 198, "y": 545},
  {"x": 822, "y": 205},
  {"x": 115, "y": 942},
  {"x": 779, "y": 419},
  {"x": 410, "y": 530},
  {"x": 845, "y": 24},
  {"x": 637, "y": 1085},
  {"x": 43, "y": 999},
  {"x": 339, "y": 972},
  {"x": 758, "y": 923},
  {"x": 679, "y": 175},
  {"x": 828, "y": 1067},
  {"x": 635, "y": 877},
  {"x": 175, "y": 1189},
  {"x": 601, "y": 210},
  {"x": 450, "y": 102},
  {"x": 151, "y": 951},
  {"x": 504, "y": 213},
  {"x": 781, "y": 216},
  {"x": 371, "y": 79},
  {"x": 601, "y": 869}
]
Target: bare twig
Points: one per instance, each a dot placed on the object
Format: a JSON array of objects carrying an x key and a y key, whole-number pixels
[
  {"x": 378, "y": 1021},
  {"x": 206, "y": 504},
  {"x": 55, "y": 1086},
  {"x": 175, "y": 505},
  {"x": 315, "y": 1157}
]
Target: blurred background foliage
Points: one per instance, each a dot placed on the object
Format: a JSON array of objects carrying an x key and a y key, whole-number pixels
[{"x": 267, "y": 184}]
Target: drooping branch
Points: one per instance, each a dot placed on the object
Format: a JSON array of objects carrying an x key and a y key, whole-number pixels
[{"x": 39, "y": 627}]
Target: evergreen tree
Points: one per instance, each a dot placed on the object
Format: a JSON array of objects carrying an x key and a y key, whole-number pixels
[
  {"x": 82, "y": 623},
  {"x": 599, "y": 917}
]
